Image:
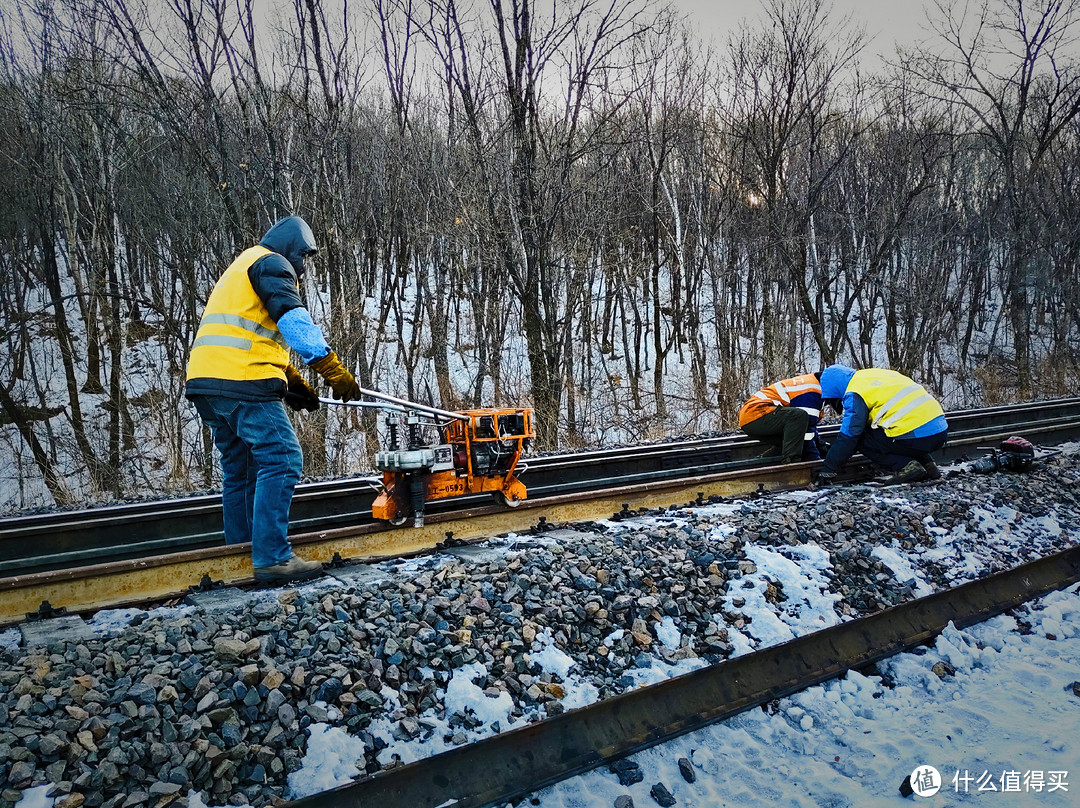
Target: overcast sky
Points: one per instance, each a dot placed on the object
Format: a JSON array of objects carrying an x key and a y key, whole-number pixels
[{"x": 886, "y": 22}]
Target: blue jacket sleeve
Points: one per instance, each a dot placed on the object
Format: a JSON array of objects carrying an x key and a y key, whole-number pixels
[
  {"x": 856, "y": 417},
  {"x": 303, "y": 335},
  {"x": 274, "y": 281}
]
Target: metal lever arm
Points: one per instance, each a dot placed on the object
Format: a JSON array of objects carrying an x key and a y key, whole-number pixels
[
  {"x": 371, "y": 405},
  {"x": 395, "y": 404}
]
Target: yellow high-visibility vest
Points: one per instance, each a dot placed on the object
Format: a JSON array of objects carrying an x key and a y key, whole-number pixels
[
  {"x": 897, "y": 404},
  {"x": 236, "y": 339}
]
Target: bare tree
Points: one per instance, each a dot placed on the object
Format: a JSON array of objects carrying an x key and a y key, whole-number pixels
[
  {"x": 1012, "y": 66},
  {"x": 570, "y": 203},
  {"x": 794, "y": 93}
]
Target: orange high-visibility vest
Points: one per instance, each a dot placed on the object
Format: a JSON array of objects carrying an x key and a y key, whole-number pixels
[{"x": 780, "y": 394}]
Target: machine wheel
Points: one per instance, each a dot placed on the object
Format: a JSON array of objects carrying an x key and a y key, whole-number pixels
[
  {"x": 502, "y": 499},
  {"x": 399, "y": 520}
]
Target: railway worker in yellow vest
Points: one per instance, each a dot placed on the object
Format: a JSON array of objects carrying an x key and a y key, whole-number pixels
[
  {"x": 238, "y": 375},
  {"x": 785, "y": 416},
  {"x": 892, "y": 420}
]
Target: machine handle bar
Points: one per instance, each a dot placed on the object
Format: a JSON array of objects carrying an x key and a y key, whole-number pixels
[{"x": 386, "y": 402}]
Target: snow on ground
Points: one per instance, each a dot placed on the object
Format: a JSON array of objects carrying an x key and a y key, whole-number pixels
[
  {"x": 551, "y": 658},
  {"x": 668, "y": 633},
  {"x": 336, "y": 753},
  {"x": 113, "y": 621},
  {"x": 850, "y": 741},
  {"x": 903, "y": 570},
  {"x": 1004, "y": 730},
  {"x": 11, "y": 638},
  {"x": 809, "y": 605}
]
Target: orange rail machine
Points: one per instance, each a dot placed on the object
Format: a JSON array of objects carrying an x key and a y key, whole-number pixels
[{"x": 433, "y": 454}]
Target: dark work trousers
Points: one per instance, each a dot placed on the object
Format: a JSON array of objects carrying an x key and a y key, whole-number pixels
[
  {"x": 895, "y": 453},
  {"x": 785, "y": 429}
]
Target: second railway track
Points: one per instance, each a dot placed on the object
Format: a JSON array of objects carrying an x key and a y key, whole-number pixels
[{"x": 513, "y": 764}]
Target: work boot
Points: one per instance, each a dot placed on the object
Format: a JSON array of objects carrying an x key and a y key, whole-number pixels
[
  {"x": 295, "y": 569},
  {"x": 932, "y": 471},
  {"x": 910, "y": 473}
]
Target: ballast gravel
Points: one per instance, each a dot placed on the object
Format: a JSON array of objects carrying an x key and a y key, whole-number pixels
[{"x": 181, "y": 700}]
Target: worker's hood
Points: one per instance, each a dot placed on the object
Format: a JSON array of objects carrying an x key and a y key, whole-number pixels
[
  {"x": 292, "y": 238},
  {"x": 834, "y": 381}
]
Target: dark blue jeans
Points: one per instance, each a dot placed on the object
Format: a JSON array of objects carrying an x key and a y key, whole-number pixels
[
  {"x": 261, "y": 464},
  {"x": 895, "y": 453}
]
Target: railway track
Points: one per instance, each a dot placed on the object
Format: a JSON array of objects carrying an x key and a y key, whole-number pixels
[
  {"x": 69, "y": 539},
  {"x": 515, "y": 763},
  {"x": 134, "y": 554}
]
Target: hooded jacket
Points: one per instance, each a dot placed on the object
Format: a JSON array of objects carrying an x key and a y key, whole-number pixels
[
  {"x": 239, "y": 352},
  {"x": 275, "y": 278}
]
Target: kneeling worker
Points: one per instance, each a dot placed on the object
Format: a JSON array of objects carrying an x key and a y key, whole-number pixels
[
  {"x": 785, "y": 416},
  {"x": 892, "y": 420},
  {"x": 237, "y": 376}
]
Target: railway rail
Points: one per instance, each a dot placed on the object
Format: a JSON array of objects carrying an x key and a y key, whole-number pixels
[
  {"x": 65, "y": 539},
  {"x": 130, "y": 554}
]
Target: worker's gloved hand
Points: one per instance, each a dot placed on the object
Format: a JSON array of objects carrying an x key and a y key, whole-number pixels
[
  {"x": 337, "y": 376},
  {"x": 300, "y": 395},
  {"x": 825, "y": 477}
]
